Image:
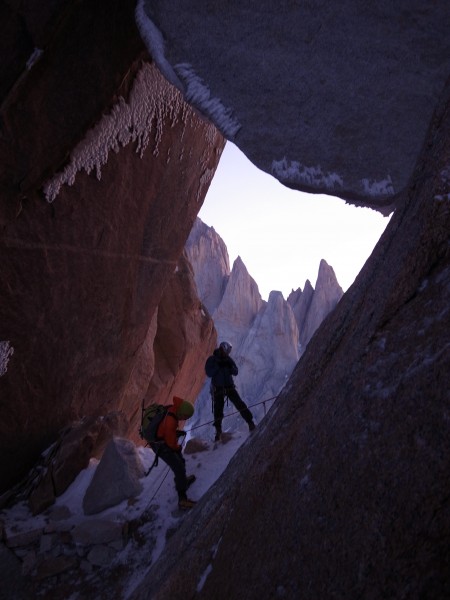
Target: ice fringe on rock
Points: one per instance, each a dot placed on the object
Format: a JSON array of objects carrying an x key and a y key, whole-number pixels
[
  {"x": 6, "y": 351},
  {"x": 152, "y": 101},
  {"x": 184, "y": 78},
  {"x": 378, "y": 188},
  {"x": 294, "y": 172}
]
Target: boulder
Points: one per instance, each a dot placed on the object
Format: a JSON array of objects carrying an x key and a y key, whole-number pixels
[{"x": 116, "y": 477}]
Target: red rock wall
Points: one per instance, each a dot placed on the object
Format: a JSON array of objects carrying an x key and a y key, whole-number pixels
[
  {"x": 180, "y": 338},
  {"x": 82, "y": 277}
]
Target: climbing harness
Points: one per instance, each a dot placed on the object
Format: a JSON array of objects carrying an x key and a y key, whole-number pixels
[{"x": 159, "y": 446}]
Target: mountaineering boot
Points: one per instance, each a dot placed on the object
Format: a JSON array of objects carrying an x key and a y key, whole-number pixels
[
  {"x": 190, "y": 479},
  {"x": 218, "y": 435},
  {"x": 251, "y": 426},
  {"x": 185, "y": 503}
]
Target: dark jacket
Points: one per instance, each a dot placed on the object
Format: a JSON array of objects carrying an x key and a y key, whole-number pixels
[{"x": 221, "y": 369}]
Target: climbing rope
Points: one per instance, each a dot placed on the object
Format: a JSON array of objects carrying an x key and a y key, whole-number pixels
[
  {"x": 159, "y": 487},
  {"x": 235, "y": 413}
]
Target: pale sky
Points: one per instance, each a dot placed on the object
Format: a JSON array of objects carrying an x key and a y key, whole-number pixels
[{"x": 281, "y": 234}]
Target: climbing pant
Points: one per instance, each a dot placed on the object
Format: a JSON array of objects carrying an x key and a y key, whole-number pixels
[
  {"x": 219, "y": 395},
  {"x": 175, "y": 460}
]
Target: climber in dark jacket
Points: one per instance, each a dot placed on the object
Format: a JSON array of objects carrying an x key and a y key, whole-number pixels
[{"x": 220, "y": 367}]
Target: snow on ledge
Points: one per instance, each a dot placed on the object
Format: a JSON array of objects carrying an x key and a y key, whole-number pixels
[
  {"x": 183, "y": 76},
  {"x": 199, "y": 95},
  {"x": 150, "y": 102},
  {"x": 294, "y": 172},
  {"x": 378, "y": 188},
  {"x": 153, "y": 39}
]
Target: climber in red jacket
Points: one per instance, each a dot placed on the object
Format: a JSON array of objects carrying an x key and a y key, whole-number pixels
[{"x": 170, "y": 451}]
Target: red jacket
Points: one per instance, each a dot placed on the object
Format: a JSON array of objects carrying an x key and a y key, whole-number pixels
[{"x": 167, "y": 429}]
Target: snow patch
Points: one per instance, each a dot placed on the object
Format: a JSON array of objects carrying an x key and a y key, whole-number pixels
[
  {"x": 381, "y": 344},
  {"x": 6, "y": 351},
  {"x": 423, "y": 285},
  {"x": 294, "y": 172},
  {"x": 442, "y": 197},
  {"x": 36, "y": 55},
  {"x": 203, "y": 577},
  {"x": 445, "y": 177},
  {"x": 445, "y": 174},
  {"x": 209, "y": 568}
]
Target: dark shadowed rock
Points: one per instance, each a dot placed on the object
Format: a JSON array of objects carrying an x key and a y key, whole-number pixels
[
  {"x": 310, "y": 93},
  {"x": 97, "y": 531},
  {"x": 69, "y": 455},
  {"x": 14, "y": 585}
]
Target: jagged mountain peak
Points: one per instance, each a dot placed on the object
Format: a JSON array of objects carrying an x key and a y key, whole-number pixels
[
  {"x": 265, "y": 335},
  {"x": 208, "y": 255},
  {"x": 326, "y": 276}
]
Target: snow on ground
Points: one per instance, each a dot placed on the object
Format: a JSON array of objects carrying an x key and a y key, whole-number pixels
[{"x": 154, "y": 513}]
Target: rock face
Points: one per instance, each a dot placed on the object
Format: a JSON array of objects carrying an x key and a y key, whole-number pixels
[
  {"x": 103, "y": 170},
  {"x": 185, "y": 335},
  {"x": 265, "y": 335},
  {"x": 328, "y": 87},
  {"x": 208, "y": 256}
]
